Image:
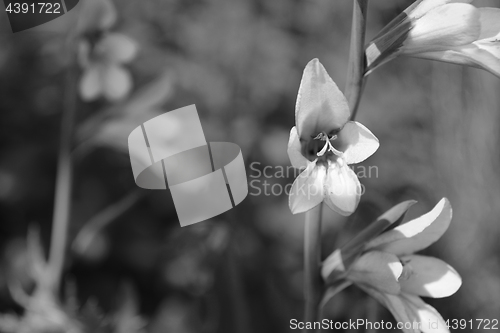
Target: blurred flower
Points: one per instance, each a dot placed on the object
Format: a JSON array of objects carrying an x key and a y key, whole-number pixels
[
  {"x": 96, "y": 15},
  {"x": 388, "y": 270},
  {"x": 451, "y": 31},
  {"x": 324, "y": 143},
  {"x": 102, "y": 53},
  {"x": 103, "y": 71}
]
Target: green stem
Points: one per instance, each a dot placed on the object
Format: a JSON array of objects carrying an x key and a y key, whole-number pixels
[
  {"x": 371, "y": 313},
  {"x": 356, "y": 69},
  {"x": 96, "y": 224},
  {"x": 240, "y": 311},
  {"x": 64, "y": 182},
  {"x": 312, "y": 261}
]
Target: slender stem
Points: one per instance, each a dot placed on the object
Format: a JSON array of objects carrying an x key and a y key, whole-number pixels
[
  {"x": 332, "y": 290},
  {"x": 240, "y": 311},
  {"x": 62, "y": 201},
  {"x": 357, "y": 60},
  {"x": 356, "y": 69},
  {"x": 89, "y": 231},
  {"x": 371, "y": 313},
  {"x": 312, "y": 242},
  {"x": 312, "y": 261}
]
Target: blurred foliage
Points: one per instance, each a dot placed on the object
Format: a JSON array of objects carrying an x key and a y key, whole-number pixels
[{"x": 240, "y": 62}]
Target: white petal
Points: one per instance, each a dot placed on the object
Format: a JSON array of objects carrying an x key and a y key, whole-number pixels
[
  {"x": 379, "y": 270},
  {"x": 116, "y": 47},
  {"x": 429, "y": 277},
  {"x": 416, "y": 29},
  {"x": 360, "y": 142},
  {"x": 484, "y": 55},
  {"x": 308, "y": 189},
  {"x": 449, "y": 25},
  {"x": 321, "y": 106},
  {"x": 354, "y": 247},
  {"x": 420, "y": 8},
  {"x": 342, "y": 188},
  {"x": 399, "y": 308},
  {"x": 91, "y": 83},
  {"x": 294, "y": 150},
  {"x": 490, "y": 22},
  {"x": 415, "y": 11},
  {"x": 430, "y": 320},
  {"x": 416, "y": 234},
  {"x": 117, "y": 82},
  {"x": 83, "y": 53}
]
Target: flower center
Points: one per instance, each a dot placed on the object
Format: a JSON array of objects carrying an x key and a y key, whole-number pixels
[
  {"x": 407, "y": 270},
  {"x": 328, "y": 145}
]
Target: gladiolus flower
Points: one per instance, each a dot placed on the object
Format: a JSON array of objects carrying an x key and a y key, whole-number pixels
[
  {"x": 102, "y": 54},
  {"x": 452, "y": 31},
  {"x": 325, "y": 143},
  {"x": 104, "y": 74},
  {"x": 388, "y": 270}
]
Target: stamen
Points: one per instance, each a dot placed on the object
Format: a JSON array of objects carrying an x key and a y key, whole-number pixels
[
  {"x": 320, "y": 136},
  {"x": 328, "y": 145},
  {"x": 323, "y": 151}
]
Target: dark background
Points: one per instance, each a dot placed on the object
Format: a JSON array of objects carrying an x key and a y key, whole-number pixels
[{"x": 240, "y": 62}]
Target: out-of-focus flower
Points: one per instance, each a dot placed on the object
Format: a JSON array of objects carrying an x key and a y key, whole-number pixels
[
  {"x": 102, "y": 54},
  {"x": 103, "y": 71},
  {"x": 96, "y": 15},
  {"x": 324, "y": 143},
  {"x": 387, "y": 269},
  {"x": 451, "y": 31}
]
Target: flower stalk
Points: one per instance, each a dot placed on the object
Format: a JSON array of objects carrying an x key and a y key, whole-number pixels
[
  {"x": 353, "y": 91},
  {"x": 64, "y": 181},
  {"x": 312, "y": 263},
  {"x": 356, "y": 69}
]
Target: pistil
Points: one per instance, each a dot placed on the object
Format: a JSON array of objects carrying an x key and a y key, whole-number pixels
[{"x": 328, "y": 145}]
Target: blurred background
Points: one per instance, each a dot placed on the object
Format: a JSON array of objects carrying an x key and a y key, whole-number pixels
[{"x": 129, "y": 265}]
